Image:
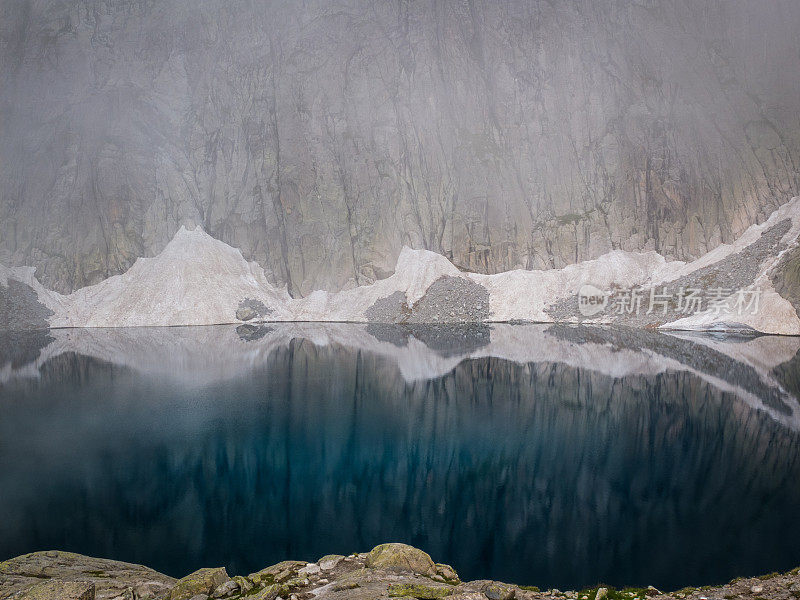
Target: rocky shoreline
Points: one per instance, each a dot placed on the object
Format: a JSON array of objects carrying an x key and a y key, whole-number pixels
[{"x": 387, "y": 571}]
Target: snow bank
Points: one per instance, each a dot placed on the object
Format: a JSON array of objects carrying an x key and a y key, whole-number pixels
[
  {"x": 414, "y": 273},
  {"x": 775, "y": 314},
  {"x": 524, "y": 295},
  {"x": 198, "y": 280}
]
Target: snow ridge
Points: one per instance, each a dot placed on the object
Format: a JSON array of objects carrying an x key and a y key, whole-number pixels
[{"x": 199, "y": 280}]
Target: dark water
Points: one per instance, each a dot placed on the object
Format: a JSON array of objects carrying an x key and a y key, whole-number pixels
[{"x": 549, "y": 456}]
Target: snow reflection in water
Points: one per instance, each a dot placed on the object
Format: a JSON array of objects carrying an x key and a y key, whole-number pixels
[{"x": 550, "y": 455}]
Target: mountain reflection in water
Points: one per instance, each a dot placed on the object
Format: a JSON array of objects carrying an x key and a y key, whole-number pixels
[{"x": 548, "y": 455}]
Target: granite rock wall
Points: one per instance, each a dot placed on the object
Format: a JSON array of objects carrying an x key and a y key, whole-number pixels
[{"x": 319, "y": 137}]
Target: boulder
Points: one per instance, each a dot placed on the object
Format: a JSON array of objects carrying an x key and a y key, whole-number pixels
[
  {"x": 447, "y": 573},
  {"x": 497, "y": 591},
  {"x": 245, "y": 585},
  {"x": 271, "y": 592},
  {"x": 401, "y": 557},
  {"x": 225, "y": 589},
  {"x": 279, "y": 573},
  {"x": 329, "y": 561},
  {"x": 309, "y": 569},
  {"x": 203, "y": 581},
  {"x": 245, "y": 313}
]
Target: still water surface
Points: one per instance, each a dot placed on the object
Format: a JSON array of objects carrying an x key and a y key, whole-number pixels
[{"x": 554, "y": 456}]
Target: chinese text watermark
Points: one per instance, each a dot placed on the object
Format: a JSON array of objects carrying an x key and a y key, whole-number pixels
[{"x": 654, "y": 301}]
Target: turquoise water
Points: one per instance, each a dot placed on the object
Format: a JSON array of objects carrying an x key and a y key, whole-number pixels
[{"x": 548, "y": 456}]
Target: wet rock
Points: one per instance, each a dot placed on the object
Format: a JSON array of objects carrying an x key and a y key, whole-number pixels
[
  {"x": 400, "y": 557},
  {"x": 601, "y": 593},
  {"x": 202, "y": 581}
]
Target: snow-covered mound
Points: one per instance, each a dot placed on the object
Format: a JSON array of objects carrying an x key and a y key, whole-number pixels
[
  {"x": 415, "y": 272},
  {"x": 198, "y": 280}
]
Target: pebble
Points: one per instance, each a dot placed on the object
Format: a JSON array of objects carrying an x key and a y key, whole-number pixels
[{"x": 757, "y": 589}]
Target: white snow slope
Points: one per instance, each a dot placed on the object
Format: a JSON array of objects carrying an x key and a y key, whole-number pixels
[{"x": 198, "y": 280}]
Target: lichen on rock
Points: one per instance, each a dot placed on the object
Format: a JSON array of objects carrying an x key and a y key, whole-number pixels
[
  {"x": 202, "y": 581},
  {"x": 400, "y": 557}
]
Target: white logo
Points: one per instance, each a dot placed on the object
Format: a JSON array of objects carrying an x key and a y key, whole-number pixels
[{"x": 591, "y": 300}]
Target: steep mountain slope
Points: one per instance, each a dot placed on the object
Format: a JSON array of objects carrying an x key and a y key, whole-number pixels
[{"x": 321, "y": 137}]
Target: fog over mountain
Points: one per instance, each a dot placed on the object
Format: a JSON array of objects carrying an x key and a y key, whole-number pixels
[{"x": 321, "y": 136}]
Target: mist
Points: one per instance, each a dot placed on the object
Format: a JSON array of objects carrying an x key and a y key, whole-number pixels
[{"x": 322, "y": 137}]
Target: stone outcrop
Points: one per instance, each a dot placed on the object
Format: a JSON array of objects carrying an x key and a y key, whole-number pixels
[
  {"x": 400, "y": 557},
  {"x": 321, "y": 137},
  {"x": 56, "y": 575},
  {"x": 388, "y": 571},
  {"x": 203, "y": 582}
]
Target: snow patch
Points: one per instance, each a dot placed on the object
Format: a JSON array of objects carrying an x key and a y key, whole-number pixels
[
  {"x": 195, "y": 280},
  {"x": 198, "y": 280}
]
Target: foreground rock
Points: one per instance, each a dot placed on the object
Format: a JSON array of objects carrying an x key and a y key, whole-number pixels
[
  {"x": 388, "y": 571},
  {"x": 56, "y": 575}
]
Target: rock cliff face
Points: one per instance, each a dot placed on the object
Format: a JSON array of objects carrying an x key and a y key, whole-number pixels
[{"x": 320, "y": 137}]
